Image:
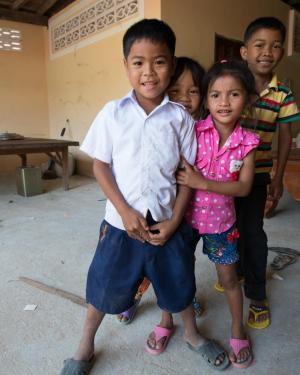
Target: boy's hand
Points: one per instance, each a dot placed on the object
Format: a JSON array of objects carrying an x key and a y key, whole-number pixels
[
  {"x": 275, "y": 190},
  {"x": 135, "y": 225},
  {"x": 166, "y": 228},
  {"x": 190, "y": 176}
]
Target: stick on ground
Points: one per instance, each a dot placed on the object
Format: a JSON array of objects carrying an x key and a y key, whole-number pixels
[{"x": 56, "y": 291}]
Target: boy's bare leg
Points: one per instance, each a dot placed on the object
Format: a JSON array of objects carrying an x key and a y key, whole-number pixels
[
  {"x": 92, "y": 322},
  {"x": 191, "y": 333},
  {"x": 228, "y": 278},
  {"x": 165, "y": 322}
]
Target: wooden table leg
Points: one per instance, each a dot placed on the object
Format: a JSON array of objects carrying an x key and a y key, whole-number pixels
[
  {"x": 65, "y": 169},
  {"x": 24, "y": 159}
]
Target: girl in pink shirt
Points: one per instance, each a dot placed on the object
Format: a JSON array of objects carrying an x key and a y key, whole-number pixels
[{"x": 224, "y": 169}]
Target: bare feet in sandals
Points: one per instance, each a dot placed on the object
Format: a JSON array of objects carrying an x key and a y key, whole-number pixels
[
  {"x": 240, "y": 354},
  {"x": 126, "y": 317},
  {"x": 83, "y": 360},
  {"x": 259, "y": 314},
  {"x": 214, "y": 355},
  {"x": 158, "y": 339}
]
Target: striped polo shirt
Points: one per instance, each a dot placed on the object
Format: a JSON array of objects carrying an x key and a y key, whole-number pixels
[{"x": 276, "y": 105}]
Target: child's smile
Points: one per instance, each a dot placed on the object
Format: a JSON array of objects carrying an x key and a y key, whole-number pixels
[
  {"x": 224, "y": 111},
  {"x": 263, "y": 51}
]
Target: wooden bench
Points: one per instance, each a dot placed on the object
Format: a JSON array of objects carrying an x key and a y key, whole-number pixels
[{"x": 56, "y": 149}]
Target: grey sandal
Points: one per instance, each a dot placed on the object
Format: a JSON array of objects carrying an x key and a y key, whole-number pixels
[
  {"x": 73, "y": 367},
  {"x": 210, "y": 351}
]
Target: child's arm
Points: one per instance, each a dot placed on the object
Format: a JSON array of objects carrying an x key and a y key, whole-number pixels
[
  {"x": 168, "y": 227},
  {"x": 135, "y": 225},
  {"x": 284, "y": 145},
  {"x": 194, "y": 179}
]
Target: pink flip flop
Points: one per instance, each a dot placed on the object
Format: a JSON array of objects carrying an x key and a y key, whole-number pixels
[
  {"x": 237, "y": 345},
  {"x": 159, "y": 333}
]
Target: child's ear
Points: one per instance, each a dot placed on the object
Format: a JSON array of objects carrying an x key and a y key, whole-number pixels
[
  {"x": 125, "y": 65},
  {"x": 243, "y": 52}
]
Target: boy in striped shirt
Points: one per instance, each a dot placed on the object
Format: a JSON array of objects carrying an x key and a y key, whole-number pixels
[{"x": 275, "y": 107}]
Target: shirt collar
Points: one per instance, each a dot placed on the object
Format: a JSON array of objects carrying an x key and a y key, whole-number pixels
[
  {"x": 235, "y": 138},
  {"x": 131, "y": 97},
  {"x": 208, "y": 123},
  {"x": 272, "y": 85}
]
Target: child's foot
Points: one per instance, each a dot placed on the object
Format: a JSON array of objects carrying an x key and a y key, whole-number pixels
[
  {"x": 76, "y": 367},
  {"x": 198, "y": 309},
  {"x": 82, "y": 362},
  {"x": 215, "y": 356},
  {"x": 158, "y": 339},
  {"x": 259, "y": 314},
  {"x": 127, "y": 316},
  {"x": 241, "y": 354}
]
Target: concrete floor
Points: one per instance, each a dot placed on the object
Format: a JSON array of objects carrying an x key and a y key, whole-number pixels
[{"x": 51, "y": 238}]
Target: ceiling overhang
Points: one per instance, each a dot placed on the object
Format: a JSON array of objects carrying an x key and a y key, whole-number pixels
[
  {"x": 293, "y": 3},
  {"x": 36, "y": 12}
]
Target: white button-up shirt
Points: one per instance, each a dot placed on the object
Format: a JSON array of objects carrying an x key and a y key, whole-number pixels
[{"x": 144, "y": 152}]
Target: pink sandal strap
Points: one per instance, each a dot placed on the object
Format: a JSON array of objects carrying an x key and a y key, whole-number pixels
[
  {"x": 161, "y": 332},
  {"x": 238, "y": 344}
]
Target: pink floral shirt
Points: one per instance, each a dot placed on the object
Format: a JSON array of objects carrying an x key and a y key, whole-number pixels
[{"x": 211, "y": 212}]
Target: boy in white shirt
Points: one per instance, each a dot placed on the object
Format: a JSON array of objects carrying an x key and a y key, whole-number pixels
[{"x": 136, "y": 143}]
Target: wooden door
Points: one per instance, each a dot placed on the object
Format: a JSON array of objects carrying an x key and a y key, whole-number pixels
[{"x": 227, "y": 49}]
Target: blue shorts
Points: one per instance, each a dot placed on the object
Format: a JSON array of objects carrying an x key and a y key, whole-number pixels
[
  {"x": 120, "y": 263},
  {"x": 221, "y": 248}
]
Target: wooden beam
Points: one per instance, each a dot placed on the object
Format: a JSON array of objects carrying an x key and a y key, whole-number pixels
[
  {"x": 56, "y": 291},
  {"x": 45, "y": 6},
  {"x": 18, "y": 3},
  {"x": 20, "y": 16}
]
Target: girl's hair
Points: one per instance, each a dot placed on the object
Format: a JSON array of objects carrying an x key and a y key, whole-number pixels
[
  {"x": 234, "y": 68},
  {"x": 186, "y": 63}
]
